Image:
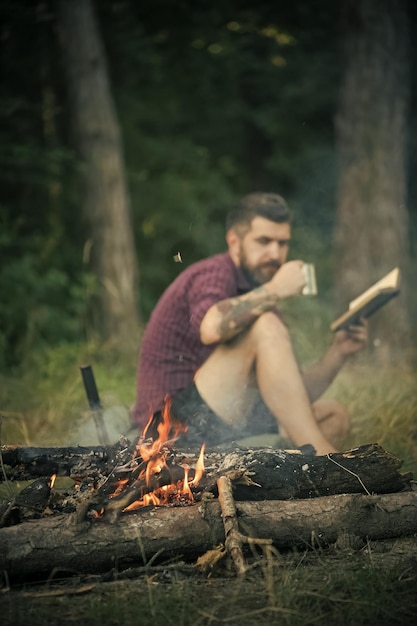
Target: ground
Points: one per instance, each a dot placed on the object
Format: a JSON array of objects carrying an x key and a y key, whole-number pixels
[{"x": 376, "y": 584}]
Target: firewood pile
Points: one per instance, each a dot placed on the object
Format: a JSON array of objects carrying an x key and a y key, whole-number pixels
[{"x": 135, "y": 502}]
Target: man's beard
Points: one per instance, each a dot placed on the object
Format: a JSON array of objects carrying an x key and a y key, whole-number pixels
[{"x": 254, "y": 275}]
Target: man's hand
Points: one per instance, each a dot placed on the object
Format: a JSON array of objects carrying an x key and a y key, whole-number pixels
[
  {"x": 288, "y": 281},
  {"x": 353, "y": 339}
]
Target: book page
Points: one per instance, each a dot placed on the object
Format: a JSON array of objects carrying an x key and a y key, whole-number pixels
[{"x": 390, "y": 281}]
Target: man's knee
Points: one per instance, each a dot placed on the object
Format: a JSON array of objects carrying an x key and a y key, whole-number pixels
[
  {"x": 344, "y": 419},
  {"x": 332, "y": 417},
  {"x": 269, "y": 326}
]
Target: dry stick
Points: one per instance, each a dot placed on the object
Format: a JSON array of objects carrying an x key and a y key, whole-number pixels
[{"x": 234, "y": 538}]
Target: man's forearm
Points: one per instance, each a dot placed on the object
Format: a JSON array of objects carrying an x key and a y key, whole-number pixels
[
  {"x": 228, "y": 318},
  {"x": 319, "y": 377}
]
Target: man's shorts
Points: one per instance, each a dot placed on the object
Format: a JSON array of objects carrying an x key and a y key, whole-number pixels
[{"x": 205, "y": 426}]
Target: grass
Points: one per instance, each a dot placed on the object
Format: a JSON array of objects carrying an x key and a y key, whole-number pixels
[
  {"x": 44, "y": 401},
  {"x": 383, "y": 406},
  {"x": 294, "y": 589}
]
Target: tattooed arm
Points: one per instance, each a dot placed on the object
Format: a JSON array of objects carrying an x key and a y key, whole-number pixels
[{"x": 227, "y": 318}]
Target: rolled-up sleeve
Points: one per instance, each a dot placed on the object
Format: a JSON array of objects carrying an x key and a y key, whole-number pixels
[{"x": 206, "y": 289}]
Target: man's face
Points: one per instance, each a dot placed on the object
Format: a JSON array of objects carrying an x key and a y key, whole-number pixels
[{"x": 262, "y": 250}]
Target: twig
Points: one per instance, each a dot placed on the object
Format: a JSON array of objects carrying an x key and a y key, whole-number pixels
[
  {"x": 234, "y": 538},
  {"x": 350, "y": 472}
]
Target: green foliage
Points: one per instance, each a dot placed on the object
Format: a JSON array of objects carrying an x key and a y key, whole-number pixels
[
  {"x": 176, "y": 212},
  {"x": 213, "y": 104},
  {"x": 214, "y": 101},
  {"x": 33, "y": 314}
]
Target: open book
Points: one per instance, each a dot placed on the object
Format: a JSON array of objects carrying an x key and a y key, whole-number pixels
[{"x": 370, "y": 300}]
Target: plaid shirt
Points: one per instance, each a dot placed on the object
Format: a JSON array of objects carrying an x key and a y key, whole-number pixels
[{"x": 171, "y": 350}]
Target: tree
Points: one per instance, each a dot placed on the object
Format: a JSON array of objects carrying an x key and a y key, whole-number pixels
[
  {"x": 372, "y": 219},
  {"x": 104, "y": 198}
]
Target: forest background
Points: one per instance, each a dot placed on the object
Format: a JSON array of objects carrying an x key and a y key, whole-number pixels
[{"x": 128, "y": 130}]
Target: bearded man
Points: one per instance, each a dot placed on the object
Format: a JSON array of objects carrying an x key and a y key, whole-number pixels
[{"x": 216, "y": 346}]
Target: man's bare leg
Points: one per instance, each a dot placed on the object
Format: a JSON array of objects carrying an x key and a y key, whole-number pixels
[
  {"x": 332, "y": 419},
  {"x": 225, "y": 381}
]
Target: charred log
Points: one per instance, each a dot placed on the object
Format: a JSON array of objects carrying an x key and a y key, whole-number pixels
[
  {"x": 285, "y": 475},
  {"x": 26, "y": 462}
]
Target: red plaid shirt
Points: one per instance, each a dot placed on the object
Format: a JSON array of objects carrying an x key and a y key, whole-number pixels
[{"x": 171, "y": 350}]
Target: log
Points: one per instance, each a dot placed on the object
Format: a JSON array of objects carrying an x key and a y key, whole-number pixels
[
  {"x": 40, "y": 546},
  {"x": 281, "y": 474},
  {"x": 285, "y": 475},
  {"x": 28, "y": 462}
]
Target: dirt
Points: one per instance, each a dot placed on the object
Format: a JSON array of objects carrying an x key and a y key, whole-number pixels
[{"x": 376, "y": 584}]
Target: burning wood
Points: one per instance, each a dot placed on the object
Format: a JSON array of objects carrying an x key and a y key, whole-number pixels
[{"x": 152, "y": 477}]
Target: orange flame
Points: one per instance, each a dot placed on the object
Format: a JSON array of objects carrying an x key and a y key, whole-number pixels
[
  {"x": 155, "y": 465},
  {"x": 199, "y": 468},
  {"x": 146, "y": 500},
  {"x": 120, "y": 487},
  {"x": 52, "y": 481},
  {"x": 149, "y": 447},
  {"x": 154, "y": 451},
  {"x": 186, "y": 491}
]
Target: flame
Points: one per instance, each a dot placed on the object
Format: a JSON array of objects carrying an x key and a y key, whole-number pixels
[
  {"x": 199, "y": 468},
  {"x": 153, "y": 448},
  {"x": 186, "y": 491},
  {"x": 146, "y": 500},
  {"x": 120, "y": 487},
  {"x": 52, "y": 481},
  {"x": 149, "y": 447},
  {"x": 96, "y": 514}
]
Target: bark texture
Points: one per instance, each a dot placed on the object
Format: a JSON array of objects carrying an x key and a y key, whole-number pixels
[
  {"x": 39, "y": 546},
  {"x": 372, "y": 219}
]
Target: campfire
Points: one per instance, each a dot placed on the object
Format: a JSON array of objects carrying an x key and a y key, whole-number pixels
[
  {"x": 152, "y": 460},
  {"x": 154, "y": 476}
]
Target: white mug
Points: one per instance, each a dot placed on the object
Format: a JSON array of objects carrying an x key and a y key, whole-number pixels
[{"x": 310, "y": 275}]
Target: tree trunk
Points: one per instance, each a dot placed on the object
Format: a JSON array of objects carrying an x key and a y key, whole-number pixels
[
  {"x": 371, "y": 234},
  {"x": 104, "y": 197},
  {"x": 39, "y": 546}
]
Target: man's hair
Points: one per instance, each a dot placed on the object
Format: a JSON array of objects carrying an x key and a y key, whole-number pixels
[{"x": 269, "y": 205}]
